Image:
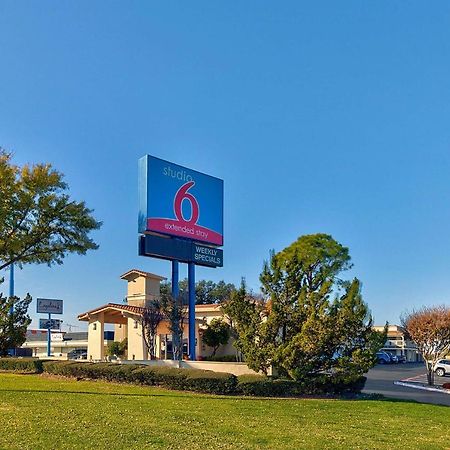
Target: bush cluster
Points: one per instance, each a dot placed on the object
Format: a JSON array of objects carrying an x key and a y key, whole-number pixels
[
  {"x": 22, "y": 365},
  {"x": 262, "y": 386},
  {"x": 187, "y": 379},
  {"x": 172, "y": 378}
]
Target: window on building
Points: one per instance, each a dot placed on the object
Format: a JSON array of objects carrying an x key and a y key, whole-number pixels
[
  {"x": 94, "y": 326},
  {"x": 135, "y": 324}
]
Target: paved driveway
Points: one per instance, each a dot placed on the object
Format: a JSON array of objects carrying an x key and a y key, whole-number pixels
[{"x": 381, "y": 379}]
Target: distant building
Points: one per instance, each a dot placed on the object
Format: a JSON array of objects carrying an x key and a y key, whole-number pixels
[
  {"x": 398, "y": 344},
  {"x": 63, "y": 344}
]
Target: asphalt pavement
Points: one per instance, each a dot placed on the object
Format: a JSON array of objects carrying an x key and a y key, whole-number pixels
[{"x": 381, "y": 379}]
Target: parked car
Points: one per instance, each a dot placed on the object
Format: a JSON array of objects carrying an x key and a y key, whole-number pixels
[
  {"x": 401, "y": 358},
  {"x": 77, "y": 354},
  {"x": 442, "y": 367},
  {"x": 394, "y": 358},
  {"x": 383, "y": 358}
]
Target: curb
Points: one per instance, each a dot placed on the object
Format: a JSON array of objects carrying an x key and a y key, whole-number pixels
[{"x": 423, "y": 388}]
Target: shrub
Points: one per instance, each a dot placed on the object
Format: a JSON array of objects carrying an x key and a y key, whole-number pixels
[
  {"x": 262, "y": 386},
  {"x": 105, "y": 371},
  {"x": 172, "y": 378},
  {"x": 168, "y": 377},
  {"x": 224, "y": 358},
  {"x": 259, "y": 385},
  {"x": 65, "y": 368},
  {"x": 108, "y": 371},
  {"x": 23, "y": 365},
  {"x": 446, "y": 385},
  {"x": 142, "y": 375},
  {"x": 211, "y": 382}
]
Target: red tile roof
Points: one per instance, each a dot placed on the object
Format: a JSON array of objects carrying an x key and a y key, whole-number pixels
[
  {"x": 130, "y": 308},
  {"x": 116, "y": 306}
]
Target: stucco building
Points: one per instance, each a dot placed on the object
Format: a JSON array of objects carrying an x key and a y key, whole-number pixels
[{"x": 142, "y": 287}]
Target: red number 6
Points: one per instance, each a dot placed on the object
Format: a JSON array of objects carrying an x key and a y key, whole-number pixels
[{"x": 181, "y": 195}]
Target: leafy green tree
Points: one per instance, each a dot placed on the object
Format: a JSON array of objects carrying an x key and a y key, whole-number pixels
[
  {"x": 39, "y": 223},
  {"x": 123, "y": 347},
  {"x": 247, "y": 314},
  {"x": 312, "y": 322},
  {"x": 206, "y": 291},
  {"x": 117, "y": 348},
  {"x": 14, "y": 321},
  {"x": 113, "y": 348},
  {"x": 220, "y": 292},
  {"x": 216, "y": 334}
]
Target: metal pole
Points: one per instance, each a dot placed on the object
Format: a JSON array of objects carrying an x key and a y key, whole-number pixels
[
  {"x": 175, "y": 295},
  {"x": 11, "y": 294},
  {"x": 175, "y": 279},
  {"x": 11, "y": 284},
  {"x": 49, "y": 335},
  {"x": 191, "y": 283}
]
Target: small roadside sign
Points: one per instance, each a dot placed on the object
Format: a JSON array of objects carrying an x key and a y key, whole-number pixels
[
  {"x": 49, "y": 306},
  {"x": 53, "y": 324}
]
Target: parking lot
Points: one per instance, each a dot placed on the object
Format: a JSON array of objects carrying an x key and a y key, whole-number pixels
[
  {"x": 381, "y": 379},
  {"x": 422, "y": 379}
]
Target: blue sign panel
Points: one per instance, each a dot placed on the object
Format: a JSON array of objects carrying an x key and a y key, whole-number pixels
[
  {"x": 180, "y": 250},
  {"x": 53, "y": 324},
  {"x": 178, "y": 201}
]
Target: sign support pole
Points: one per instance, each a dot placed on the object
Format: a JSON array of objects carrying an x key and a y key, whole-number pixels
[
  {"x": 175, "y": 295},
  {"x": 11, "y": 293},
  {"x": 175, "y": 276},
  {"x": 11, "y": 283},
  {"x": 49, "y": 335},
  {"x": 191, "y": 282}
]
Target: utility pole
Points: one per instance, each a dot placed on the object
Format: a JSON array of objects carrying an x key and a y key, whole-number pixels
[{"x": 11, "y": 294}]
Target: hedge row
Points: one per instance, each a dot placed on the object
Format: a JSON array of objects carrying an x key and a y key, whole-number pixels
[
  {"x": 185, "y": 379},
  {"x": 181, "y": 379},
  {"x": 22, "y": 365}
]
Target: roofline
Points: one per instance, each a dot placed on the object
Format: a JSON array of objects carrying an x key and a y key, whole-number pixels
[
  {"x": 142, "y": 273},
  {"x": 115, "y": 306}
]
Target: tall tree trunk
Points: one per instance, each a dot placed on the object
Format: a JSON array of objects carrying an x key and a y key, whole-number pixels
[{"x": 430, "y": 373}]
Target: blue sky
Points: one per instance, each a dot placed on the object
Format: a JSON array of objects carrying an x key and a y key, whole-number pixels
[{"x": 321, "y": 117}]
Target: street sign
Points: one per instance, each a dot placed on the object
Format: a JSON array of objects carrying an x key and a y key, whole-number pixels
[
  {"x": 180, "y": 250},
  {"x": 49, "y": 306},
  {"x": 53, "y": 324}
]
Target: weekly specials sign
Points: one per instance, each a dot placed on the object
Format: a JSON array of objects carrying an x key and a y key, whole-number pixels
[{"x": 178, "y": 201}]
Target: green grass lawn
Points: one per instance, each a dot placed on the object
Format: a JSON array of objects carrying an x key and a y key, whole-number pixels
[{"x": 49, "y": 413}]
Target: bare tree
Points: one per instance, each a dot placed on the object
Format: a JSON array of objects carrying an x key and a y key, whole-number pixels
[
  {"x": 152, "y": 316},
  {"x": 429, "y": 328},
  {"x": 175, "y": 313}
]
